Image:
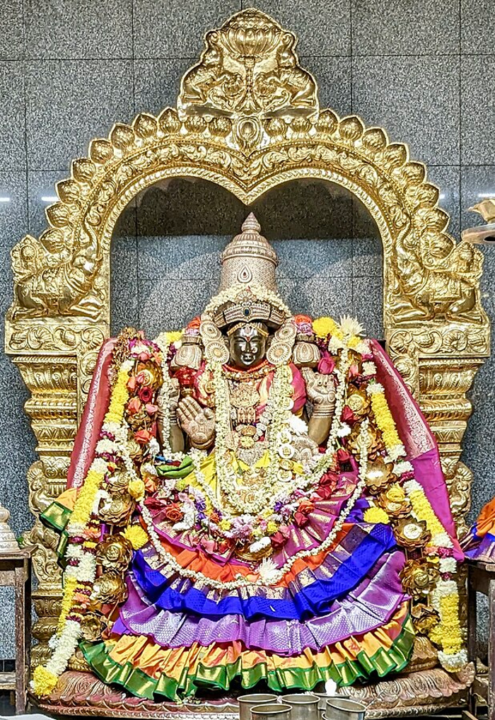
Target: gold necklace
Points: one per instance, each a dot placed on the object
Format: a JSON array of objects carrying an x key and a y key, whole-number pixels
[{"x": 246, "y": 375}]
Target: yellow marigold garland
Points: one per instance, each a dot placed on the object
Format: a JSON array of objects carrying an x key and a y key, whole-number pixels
[
  {"x": 376, "y": 515},
  {"x": 86, "y": 498},
  {"x": 445, "y": 597},
  {"x": 44, "y": 680},
  {"x": 137, "y": 536},
  {"x": 422, "y": 508},
  {"x": 384, "y": 420},
  {"x": 120, "y": 395},
  {"x": 450, "y": 625},
  {"x": 70, "y": 585}
]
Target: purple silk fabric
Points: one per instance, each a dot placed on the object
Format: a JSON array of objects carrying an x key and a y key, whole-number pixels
[
  {"x": 419, "y": 441},
  {"x": 369, "y": 606}
]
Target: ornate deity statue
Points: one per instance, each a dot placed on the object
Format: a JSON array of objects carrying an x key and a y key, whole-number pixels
[{"x": 256, "y": 498}]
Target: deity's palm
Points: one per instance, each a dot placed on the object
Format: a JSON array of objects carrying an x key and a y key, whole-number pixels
[{"x": 197, "y": 422}]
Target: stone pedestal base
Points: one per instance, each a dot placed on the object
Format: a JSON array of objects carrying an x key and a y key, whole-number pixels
[{"x": 418, "y": 693}]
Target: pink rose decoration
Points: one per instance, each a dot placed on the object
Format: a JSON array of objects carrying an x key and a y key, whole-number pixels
[
  {"x": 326, "y": 365},
  {"x": 348, "y": 416},
  {"x": 134, "y": 405},
  {"x": 354, "y": 371},
  {"x": 146, "y": 394}
]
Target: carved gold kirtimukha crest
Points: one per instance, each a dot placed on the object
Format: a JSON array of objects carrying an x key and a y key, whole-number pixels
[{"x": 249, "y": 68}]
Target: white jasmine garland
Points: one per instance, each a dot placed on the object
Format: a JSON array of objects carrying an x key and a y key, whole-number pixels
[
  {"x": 442, "y": 540},
  {"x": 261, "y": 544},
  {"x": 369, "y": 368},
  {"x": 99, "y": 465},
  {"x": 111, "y": 427},
  {"x": 106, "y": 446},
  {"x": 395, "y": 452},
  {"x": 85, "y": 570},
  {"x": 75, "y": 529},
  {"x": 73, "y": 551},
  {"x": 454, "y": 662},
  {"x": 334, "y": 345},
  {"x": 67, "y": 641},
  {"x": 445, "y": 588},
  {"x": 363, "y": 348},
  {"x": 402, "y": 467},
  {"x": 411, "y": 486},
  {"x": 163, "y": 401},
  {"x": 448, "y": 565},
  {"x": 375, "y": 387}
]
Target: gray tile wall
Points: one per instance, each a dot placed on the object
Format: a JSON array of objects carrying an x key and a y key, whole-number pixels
[{"x": 70, "y": 68}]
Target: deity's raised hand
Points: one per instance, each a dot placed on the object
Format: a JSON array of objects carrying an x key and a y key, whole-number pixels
[
  {"x": 320, "y": 389},
  {"x": 197, "y": 422}
]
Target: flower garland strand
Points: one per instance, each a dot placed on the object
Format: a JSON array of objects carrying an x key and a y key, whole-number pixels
[
  {"x": 445, "y": 596},
  {"x": 82, "y": 574}
]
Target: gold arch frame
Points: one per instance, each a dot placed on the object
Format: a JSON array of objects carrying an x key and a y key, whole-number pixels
[{"x": 435, "y": 327}]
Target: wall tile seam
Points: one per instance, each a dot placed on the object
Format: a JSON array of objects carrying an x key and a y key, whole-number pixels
[{"x": 195, "y": 58}]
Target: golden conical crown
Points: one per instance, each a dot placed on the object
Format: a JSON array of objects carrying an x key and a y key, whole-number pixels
[{"x": 249, "y": 258}]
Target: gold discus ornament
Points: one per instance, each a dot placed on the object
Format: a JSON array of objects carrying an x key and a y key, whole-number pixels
[
  {"x": 209, "y": 331},
  {"x": 216, "y": 351},
  {"x": 279, "y": 353}
]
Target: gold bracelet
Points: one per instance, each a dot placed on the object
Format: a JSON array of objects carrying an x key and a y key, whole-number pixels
[
  {"x": 203, "y": 446},
  {"x": 322, "y": 411}
]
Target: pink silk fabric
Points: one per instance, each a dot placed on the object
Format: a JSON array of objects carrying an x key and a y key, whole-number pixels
[
  {"x": 419, "y": 441},
  {"x": 92, "y": 419}
]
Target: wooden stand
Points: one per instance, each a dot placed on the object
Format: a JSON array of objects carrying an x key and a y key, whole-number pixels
[
  {"x": 15, "y": 571},
  {"x": 481, "y": 578}
]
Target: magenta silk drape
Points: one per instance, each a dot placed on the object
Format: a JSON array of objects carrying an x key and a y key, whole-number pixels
[
  {"x": 419, "y": 441},
  {"x": 420, "y": 444},
  {"x": 92, "y": 419}
]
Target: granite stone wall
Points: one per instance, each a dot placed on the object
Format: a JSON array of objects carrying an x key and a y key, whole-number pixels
[{"x": 70, "y": 68}]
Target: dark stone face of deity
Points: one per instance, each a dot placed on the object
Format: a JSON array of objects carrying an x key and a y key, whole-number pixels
[{"x": 247, "y": 345}]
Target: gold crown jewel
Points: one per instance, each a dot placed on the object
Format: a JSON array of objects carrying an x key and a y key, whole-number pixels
[
  {"x": 246, "y": 308},
  {"x": 249, "y": 258}
]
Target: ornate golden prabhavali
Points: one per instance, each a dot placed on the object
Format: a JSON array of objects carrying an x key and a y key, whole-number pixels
[{"x": 248, "y": 119}]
